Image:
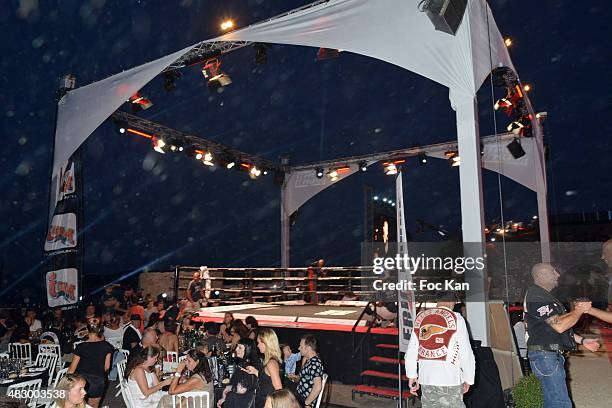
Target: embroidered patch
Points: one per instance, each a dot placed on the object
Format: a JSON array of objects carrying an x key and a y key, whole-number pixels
[{"x": 545, "y": 310}]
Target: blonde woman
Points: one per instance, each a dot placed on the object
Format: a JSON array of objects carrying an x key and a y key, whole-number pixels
[
  {"x": 282, "y": 399},
  {"x": 269, "y": 377},
  {"x": 72, "y": 391}
]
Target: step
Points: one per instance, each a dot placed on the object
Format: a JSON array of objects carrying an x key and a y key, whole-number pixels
[
  {"x": 385, "y": 360},
  {"x": 380, "y": 391},
  {"x": 382, "y": 374},
  {"x": 388, "y": 346}
]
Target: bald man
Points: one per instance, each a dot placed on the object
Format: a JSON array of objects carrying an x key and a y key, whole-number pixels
[{"x": 549, "y": 334}]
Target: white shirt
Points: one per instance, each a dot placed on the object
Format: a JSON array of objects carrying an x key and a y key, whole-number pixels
[
  {"x": 36, "y": 325},
  {"x": 521, "y": 335},
  {"x": 140, "y": 401},
  {"x": 114, "y": 336},
  {"x": 456, "y": 369}
]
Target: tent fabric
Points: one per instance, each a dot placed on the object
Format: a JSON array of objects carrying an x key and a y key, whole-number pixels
[
  {"x": 394, "y": 31},
  {"x": 526, "y": 170},
  {"x": 301, "y": 185},
  {"x": 82, "y": 110}
]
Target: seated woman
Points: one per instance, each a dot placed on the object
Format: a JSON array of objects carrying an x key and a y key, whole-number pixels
[
  {"x": 282, "y": 399},
  {"x": 269, "y": 377},
  {"x": 142, "y": 381},
  {"x": 200, "y": 378},
  {"x": 238, "y": 331},
  {"x": 228, "y": 318},
  {"x": 241, "y": 381},
  {"x": 72, "y": 389}
]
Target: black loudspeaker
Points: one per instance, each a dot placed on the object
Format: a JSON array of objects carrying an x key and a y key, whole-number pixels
[
  {"x": 515, "y": 148},
  {"x": 446, "y": 15}
]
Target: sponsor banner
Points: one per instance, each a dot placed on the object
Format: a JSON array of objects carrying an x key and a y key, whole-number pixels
[
  {"x": 62, "y": 233},
  {"x": 62, "y": 287},
  {"x": 67, "y": 181},
  {"x": 405, "y": 297}
]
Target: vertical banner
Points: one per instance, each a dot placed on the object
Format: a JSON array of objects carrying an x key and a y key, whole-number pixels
[
  {"x": 405, "y": 301},
  {"x": 63, "y": 242}
]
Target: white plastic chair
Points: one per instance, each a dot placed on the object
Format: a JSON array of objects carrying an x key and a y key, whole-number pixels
[
  {"x": 5, "y": 355},
  {"x": 126, "y": 353},
  {"x": 194, "y": 399},
  {"x": 52, "y": 348},
  {"x": 120, "y": 373},
  {"x": 320, "y": 397},
  {"x": 125, "y": 393},
  {"x": 22, "y": 351},
  {"x": 27, "y": 386},
  {"x": 47, "y": 360},
  {"x": 60, "y": 374}
]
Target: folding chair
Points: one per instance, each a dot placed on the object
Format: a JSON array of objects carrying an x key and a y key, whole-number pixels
[
  {"x": 126, "y": 353},
  {"x": 320, "y": 397},
  {"x": 194, "y": 399},
  {"x": 60, "y": 374},
  {"x": 26, "y": 386},
  {"x": 49, "y": 361},
  {"x": 22, "y": 351},
  {"x": 52, "y": 348}
]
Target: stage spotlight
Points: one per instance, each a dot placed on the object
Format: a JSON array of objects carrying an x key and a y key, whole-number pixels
[
  {"x": 139, "y": 102},
  {"x": 508, "y": 42},
  {"x": 521, "y": 126},
  {"x": 121, "y": 127},
  {"x": 363, "y": 166},
  {"x": 453, "y": 158},
  {"x": 254, "y": 172},
  {"x": 261, "y": 53},
  {"x": 526, "y": 87},
  {"x": 164, "y": 295},
  {"x": 333, "y": 174},
  {"x": 422, "y": 159},
  {"x": 515, "y": 148},
  {"x": 319, "y": 172},
  {"x": 230, "y": 165},
  {"x": 227, "y": 25},
  {"x": 199, "y": 155},
  {"x": 384, "y": 199},
  {"x": 390, "y": 168},
  {"x": 212, "y": 72},
  {"x": 327, "y": 53},
  {"x": 375, "y": 198},
  {"x": 158, "y": 145},
  {"x": 207, "y": 159},
  {"x": 170, "y": 78}
]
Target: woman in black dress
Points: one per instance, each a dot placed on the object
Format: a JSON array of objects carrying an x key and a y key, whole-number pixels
[
  {"x": 92, "y": 360},
  {"x": 269, "y": 377},
  {"x": 240, "y": 391}
]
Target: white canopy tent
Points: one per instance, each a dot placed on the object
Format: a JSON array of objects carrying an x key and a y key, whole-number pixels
[{"x": 394, "y": 31}]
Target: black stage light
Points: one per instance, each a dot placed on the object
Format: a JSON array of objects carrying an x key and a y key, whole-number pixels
[
  {"x": 327, "y": 53},
  {"x": 422, "y": 159},
  {"x": 446, "y": 15},
  {"x": 320, "y": 172},
  {"x": 139, "y": 102},
  {"x": 170, "y": 78},
  {"x": 261, "y": 53},
  {"x": 515, "y": 148},
  {"x": 504, "y": 76}
]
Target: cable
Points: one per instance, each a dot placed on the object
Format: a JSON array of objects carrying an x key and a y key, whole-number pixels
[{"x": 499, "y": 181}]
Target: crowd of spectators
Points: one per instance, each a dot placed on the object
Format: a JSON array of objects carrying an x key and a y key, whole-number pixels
[{"x": 124, "y": 322}]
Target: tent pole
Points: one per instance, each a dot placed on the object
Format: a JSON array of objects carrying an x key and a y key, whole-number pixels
[
  {"x": 285, "y": 230},
  {"x": 472, "y": 212},
  {"x": 542, "y": 193}
]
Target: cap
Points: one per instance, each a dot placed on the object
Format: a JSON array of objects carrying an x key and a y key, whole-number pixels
[{"x": 135, "y": 317}]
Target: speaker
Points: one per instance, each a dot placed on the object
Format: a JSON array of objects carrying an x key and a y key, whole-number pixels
[
  {"x": 515, "y": 148},
  {"x": 446, "y": 15}
]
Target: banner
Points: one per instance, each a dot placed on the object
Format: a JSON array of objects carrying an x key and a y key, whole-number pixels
[
  {"x": 405, "y": 303},
  {"x": 62, "y": 287},
  {"x": 63, "y": 243}
]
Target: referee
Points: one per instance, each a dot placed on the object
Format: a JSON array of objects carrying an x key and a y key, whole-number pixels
[{"x": 549, "y": 331}]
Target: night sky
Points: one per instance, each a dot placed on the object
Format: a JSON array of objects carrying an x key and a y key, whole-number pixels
[{"x": 146, "y": 210}]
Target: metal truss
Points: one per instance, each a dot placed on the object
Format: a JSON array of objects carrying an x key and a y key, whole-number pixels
[
  {"x": 187, "y": 141},
  {"x": 176, "y": 137},
  {"x": 206, "y": 50},
  {"x": 399, "y": 154}
]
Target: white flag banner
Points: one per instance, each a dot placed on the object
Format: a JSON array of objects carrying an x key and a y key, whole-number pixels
[
  {"x": 62, "y": 287},
  {"x": 406, "y": 307},
  {"x": 62, "y": 232}
]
